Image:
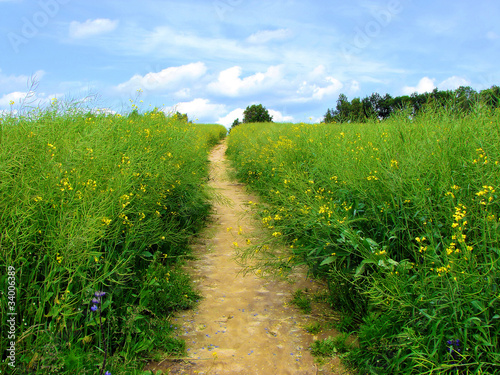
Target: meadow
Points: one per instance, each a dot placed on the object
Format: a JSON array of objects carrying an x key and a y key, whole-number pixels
[
  {"x": 97, "y": 212},
  {"x": 402, "y": 220}
]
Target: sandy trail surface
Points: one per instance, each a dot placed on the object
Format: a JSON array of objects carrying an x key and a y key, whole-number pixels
[{"x": 244, "y": 324}]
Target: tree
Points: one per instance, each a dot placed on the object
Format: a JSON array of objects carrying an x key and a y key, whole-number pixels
[
  {"x": 180, "y": 116},
  {"x": 466, "y": 97},
  {"x": 491, "y": 97},
  {"x": 329, "y": 117},
  {"x": 256, "y": 113},
  {"x": 235, "y": 123}
]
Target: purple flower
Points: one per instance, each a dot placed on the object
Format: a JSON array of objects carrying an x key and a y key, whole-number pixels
[
  {"x": 99, "y": 294},
  {"x": 93, "y": 308},
  {"x": 96, "y": 300},
  {"x": 107, "y": 373}
]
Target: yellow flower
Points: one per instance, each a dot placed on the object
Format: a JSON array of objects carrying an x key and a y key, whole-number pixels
[{"x": 235, "y": 244}]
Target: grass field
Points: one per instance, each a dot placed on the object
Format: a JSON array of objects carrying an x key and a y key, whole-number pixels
[
  {"x": 92, "y": 203},
  {"x": 401, "y": 217}
]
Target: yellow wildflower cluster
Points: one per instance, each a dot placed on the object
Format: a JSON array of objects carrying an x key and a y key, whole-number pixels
[
  {"x": 125, "y": 199},
  {"x": 442, "y": 270},
  {"x": 52, "y": 149},
  {"x": 486, "y": 195},
  {"x": 482, "y": 157},
  {"x": 65, "y": 184},
  {"x": 125, "y": 219},
  {"x": 458, "y": 239},
  {"x": 423, "y": 247}
]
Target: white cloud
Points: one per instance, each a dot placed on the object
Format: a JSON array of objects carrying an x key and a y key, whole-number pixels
[
  {"x": 183, "y": 93},
  {"x": 199, "y": 108},
  {"x": 229, "y": 82},
  {"x": 426, "y": 84},
  {"x": 228, "y": 119},
  {"x": 334, "y": 87},
  {"x": 91, "y": 27},
  {"x": 29, "y": 98},
  {"x": 265, "y": 36},
  {"x": 16, "y": 97},
  {"x": 237, "y": 113},
  {"x": 318, "y": 73},
  {"x": 308, "y": 91},
  {"x": 169, "y": 42},
  {"x": 279, "y": 117},
  {"x": 14, "y": 83},
  {"x": 166, "y": 79},
  {"x": 453, "y": 83}
]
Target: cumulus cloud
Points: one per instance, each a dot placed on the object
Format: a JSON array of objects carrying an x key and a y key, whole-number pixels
[
  {"x": 168, "y": 78},
  {"x": 279, "y": 117},
  {"x": 453, "y": 83},
  {"x": 90, "y": 28},
  {"x": 27, "y": 97},
  {"x": 237, "y": 113},
  {"x": 265, "y": 36},
  {"x": 228, "y": 119},
  {"x": 199, "y": 109},
  {"x": 14, "y": 83},
  {"x": 311, "y": 91},
  {"x": 16, "y": 97},
  {"x": 426, "y": 84},
  {"x": 229, "y": 82}
]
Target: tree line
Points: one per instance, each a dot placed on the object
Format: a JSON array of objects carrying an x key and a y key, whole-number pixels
[{"x": 462, "y": 100}]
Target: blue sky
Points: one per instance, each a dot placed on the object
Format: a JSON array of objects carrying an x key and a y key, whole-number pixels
[{"x": 211, "y": 59}]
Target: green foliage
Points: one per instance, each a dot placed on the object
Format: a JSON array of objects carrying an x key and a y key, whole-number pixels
[
  {"x": 302, "y": 301},
  {"x": 236, "y": 122},
  {"x": 98, "y": 202},
  {"x": 314, "y": 328},
  {"x": 459, "y": 102},
  {"x": 331, "y": 346},
  {"x": 182, "y": 117},
  {"x": 400, "y": 218},
  {"x": 256, "y": 113}
]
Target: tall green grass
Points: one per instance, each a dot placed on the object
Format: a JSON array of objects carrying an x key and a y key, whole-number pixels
[
  {"x": 91, "y": 203},
  {"x": 401, "y": 218}
]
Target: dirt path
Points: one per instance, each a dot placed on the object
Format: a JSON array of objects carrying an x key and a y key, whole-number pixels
[{"x": 244, "y": 324}]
